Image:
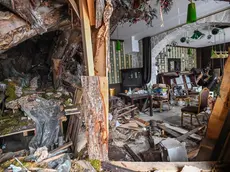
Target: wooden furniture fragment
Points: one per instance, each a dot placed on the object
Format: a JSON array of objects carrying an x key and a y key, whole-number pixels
[
  {"x": 95, "y": 110},
  {"x": 131, "y": 78},
  {"x": 134, "y": 97},
  {"x": 73, "y": 131},
  {"x": 195, "y": 110}
]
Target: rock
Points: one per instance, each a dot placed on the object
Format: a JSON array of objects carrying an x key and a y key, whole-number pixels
[{"x": 34, "y": 83}]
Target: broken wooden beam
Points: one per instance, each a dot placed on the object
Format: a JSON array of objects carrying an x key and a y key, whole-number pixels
[
  {"x": 186, "y": 135},
  {"x": 183, "y": 131},
  {"x": 169, "y": 131},
  {"x": 127, "y": 112},
  {"x": 86, "y": 37},
  {"x": 220, "y": 110},
  {"x": 92, "y": 12},
  {"x": 132, "y": 154},
  {"x": 95, "y": 110},
  {"x": 6, "y": 156},
  {"x": 66, "y": 145},
  {"x": 127, "y": 107},
  {"x": 52, "y": 158},
  {"x": 141, "y": 121}
]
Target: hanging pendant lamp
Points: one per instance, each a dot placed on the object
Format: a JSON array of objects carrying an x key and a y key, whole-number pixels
[
  {"x": 118, "y": 45},
  {"x": 191, "y": 13},
  {"x": 118, "y": 42},
  {"x": 189, "y": 51}
]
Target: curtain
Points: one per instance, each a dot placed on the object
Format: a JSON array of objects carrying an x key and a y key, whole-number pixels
[{"x": 147, "y": 60}]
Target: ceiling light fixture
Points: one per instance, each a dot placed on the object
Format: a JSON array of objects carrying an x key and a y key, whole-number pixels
[
  {"x": 197, "y": 35},
  {"x": 191, "y": 12}
]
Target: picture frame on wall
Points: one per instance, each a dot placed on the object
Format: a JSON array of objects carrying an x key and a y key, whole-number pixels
[{"x": 174, "y": 65}]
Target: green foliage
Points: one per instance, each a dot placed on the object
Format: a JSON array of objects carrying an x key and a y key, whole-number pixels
[
  {"x": 96, "y": 164},
  {"x": 10, "y": 91}
]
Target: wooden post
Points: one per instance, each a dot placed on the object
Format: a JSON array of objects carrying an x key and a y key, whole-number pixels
[
  {"x": 86, "y": 37},
  {"x": 220, "y": 109},
  {"x": 92, "y": 12},
  {"x": 95, "y": 110}
]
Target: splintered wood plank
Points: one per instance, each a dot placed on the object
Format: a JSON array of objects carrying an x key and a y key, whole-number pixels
[
  {"x": 74, "y": 5},
  {"x": 92, "y": 12},
  {"x": 220, "y": 109},
  {"x": 186, "y": 135},
  {"x": 86, "y": 37},
  {"x": 100, "y": 57},
  {"x": 95, "y": 110}
]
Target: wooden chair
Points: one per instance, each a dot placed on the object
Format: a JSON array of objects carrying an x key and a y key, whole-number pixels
[
  {"x": 161, "y": 99},
  {"x": 189, "y": 83},
  {"x": 195, "y": 110}
]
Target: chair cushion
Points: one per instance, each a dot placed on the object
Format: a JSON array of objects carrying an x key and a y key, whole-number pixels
[{"x": 192, "y": 109}]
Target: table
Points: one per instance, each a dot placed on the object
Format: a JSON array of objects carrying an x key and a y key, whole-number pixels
[{"x": 133, "y": 97}]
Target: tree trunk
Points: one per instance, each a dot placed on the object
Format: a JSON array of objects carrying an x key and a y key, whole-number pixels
[
  {"x": 95, "y": 110},
  {"x": 30, "y": 10},
  {"x": 66, "y": 46},
  {"x": 15, "y": 30}
]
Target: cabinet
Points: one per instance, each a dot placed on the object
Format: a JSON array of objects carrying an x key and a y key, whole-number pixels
[{"x": 131, "y": 78}]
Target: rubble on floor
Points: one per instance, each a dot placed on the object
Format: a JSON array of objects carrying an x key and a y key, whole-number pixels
[{"x": 154, "y": 141}]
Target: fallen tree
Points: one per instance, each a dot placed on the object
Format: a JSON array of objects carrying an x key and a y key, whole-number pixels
[{"x": 15, "y": 30}]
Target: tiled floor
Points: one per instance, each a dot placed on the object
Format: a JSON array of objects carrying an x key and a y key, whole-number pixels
[{"x": 172, "y": 116}]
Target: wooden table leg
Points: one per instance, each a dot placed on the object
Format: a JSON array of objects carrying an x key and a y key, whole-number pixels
[
  {"x": 132, "y": 103},
  {"x": 150, "y": 106}
]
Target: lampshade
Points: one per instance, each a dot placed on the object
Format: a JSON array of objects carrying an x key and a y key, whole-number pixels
[
  {"x": 214, "y": 54},
  {"x": 118, "y": 45},
  {"x": 189, "y": 51},
  {"x": 191, "y": 13}
]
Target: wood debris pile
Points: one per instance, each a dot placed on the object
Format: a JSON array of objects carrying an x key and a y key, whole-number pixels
[{"x": 148, "y": 140}]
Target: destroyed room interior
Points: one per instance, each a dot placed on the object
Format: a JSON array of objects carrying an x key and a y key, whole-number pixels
[{"x": 114, "y": 85}]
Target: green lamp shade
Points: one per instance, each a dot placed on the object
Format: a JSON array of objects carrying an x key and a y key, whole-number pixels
[
  {"x": 189, "y": 51},
  {"x": 191, "y": 14},
  {"x": 214, "y": 54},
  {"x": 118, "y": 45}
]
